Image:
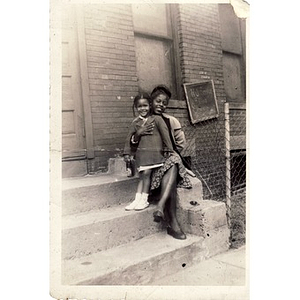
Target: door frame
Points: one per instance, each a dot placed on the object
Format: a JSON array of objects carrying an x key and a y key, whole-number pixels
[{"x": 85, "y": 90}]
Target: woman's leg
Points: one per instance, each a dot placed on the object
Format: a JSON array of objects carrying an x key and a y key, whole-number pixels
[
  {"x": 172, "y": 208},
  {"x": 169, "y": 192},
  {"x": 174, "y": 229},
  {"x": 168, "y": 184}
]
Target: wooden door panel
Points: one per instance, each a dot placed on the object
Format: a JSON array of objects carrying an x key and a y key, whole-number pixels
[
  {"x": 73, "y": 139},
  {"x": 68, "y": 101},
  {"x": 68, "y": 124}
]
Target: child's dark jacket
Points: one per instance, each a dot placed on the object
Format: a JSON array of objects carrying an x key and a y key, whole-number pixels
[{"x": 150, "y": 147}]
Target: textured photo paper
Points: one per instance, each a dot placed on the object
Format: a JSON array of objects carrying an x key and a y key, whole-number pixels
[{"x": 92, "y": 91}]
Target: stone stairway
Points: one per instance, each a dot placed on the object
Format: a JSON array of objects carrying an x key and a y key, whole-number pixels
[{"x": 102, "y": 244}]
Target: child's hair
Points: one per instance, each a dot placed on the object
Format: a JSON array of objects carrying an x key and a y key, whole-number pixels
[{"x": 139, "y": 97}]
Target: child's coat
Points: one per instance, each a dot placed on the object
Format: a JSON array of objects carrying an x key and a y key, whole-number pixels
[{"x": 150, "y": 147}]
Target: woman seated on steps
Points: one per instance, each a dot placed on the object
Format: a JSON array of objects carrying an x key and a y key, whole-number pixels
[{"x": 172, "y": 173}]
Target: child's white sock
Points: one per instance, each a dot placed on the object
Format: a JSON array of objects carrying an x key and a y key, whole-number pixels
[
  {"x": 143, "y": 203},
  {"x": 145, "y": 197},
  {"x": 137, "y": 196}
]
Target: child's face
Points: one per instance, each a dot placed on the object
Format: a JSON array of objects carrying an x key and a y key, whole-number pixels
[{"x": 143, "y": 107}]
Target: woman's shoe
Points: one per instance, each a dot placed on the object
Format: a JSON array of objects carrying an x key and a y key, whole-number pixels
[
  {"x": 179, "y": 235},
  {"x": 158, "y": 216}
]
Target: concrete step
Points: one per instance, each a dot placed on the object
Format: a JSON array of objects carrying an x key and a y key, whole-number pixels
[
  {"x": 96, "y": 192},
  {"x": 143, "y": 261},
  {"x": 104, "y": 244},
  {"x": 107, "y": 190},
  {"x": 225, "y": 269},
  {"x": 135, "y": 263},
  {"x": 99, "y": 230},
  {"x": 200, "y": 219}
]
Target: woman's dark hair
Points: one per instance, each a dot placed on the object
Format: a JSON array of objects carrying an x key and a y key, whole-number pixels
[
  {"x": 161, "y": 89},
  {"x": 139, "y": 97}
]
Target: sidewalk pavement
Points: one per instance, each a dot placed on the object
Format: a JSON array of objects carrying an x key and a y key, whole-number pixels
[{"x": 226, "y": 269}]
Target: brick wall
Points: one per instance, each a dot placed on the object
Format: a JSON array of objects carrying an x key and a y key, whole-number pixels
[
  {"x": 200, "y": 45},
  {"x": 112, "y": 76},
  {"x": 113, "y": 81},
  {"x": 201, "y": 59},
  {"x": 237, "y": 122}
]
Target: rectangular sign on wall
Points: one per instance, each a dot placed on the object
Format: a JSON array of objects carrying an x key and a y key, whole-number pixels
[{"x": 201, "y": 100}]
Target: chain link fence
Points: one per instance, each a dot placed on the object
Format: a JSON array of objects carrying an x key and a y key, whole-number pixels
[{"x": 217, "y": 149}]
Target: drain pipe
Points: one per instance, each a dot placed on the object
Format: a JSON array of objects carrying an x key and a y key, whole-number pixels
[
  {"x": 74, "y": 158},
  {"x": 227, "y": 156}
]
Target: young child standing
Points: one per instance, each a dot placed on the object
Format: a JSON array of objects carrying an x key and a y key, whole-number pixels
[{"x": 152, "y": 148}]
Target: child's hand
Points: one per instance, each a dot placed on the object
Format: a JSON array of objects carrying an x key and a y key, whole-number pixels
[
  {"x": 145, "y": 130},
  {"x": 127, "y": 158}
]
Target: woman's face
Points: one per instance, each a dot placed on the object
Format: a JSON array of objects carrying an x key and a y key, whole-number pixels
[{"x": 159, "y": 104}]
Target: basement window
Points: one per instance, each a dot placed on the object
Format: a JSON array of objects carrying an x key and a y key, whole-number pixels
[{"x": 238, "y": 169}]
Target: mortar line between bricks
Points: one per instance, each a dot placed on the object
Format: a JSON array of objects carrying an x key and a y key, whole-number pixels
[{"x": 229, "y": 264}]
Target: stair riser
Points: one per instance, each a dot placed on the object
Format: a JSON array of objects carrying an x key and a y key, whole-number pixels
[
  {"x": 99, "y": 235},
  {"x": 202, "y": 219},
  {"x": 88, "y": 198},
  {"x": 217, "y": 241},
  {"x": 83, "y": 199},
  {"x": 103, "y": 235},
  {"x": 97, "y": 231},
  {"x": 194, "y": 194},
  {"x": 150, "y": 270}
]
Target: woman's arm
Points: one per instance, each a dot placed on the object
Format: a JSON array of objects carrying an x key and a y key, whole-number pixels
[
  {"x": 127, "y": 147},
  {"x": 179, "y": 139},
  {"x": 164, "y": 133},
  {"x": 178, "y": 133}
]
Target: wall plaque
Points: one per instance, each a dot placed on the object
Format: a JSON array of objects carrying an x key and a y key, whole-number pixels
[{"x": 201, "y": 100}]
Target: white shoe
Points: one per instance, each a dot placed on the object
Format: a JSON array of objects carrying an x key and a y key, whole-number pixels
[
  {"x": 135, "y": 202},
  {"x": 142, "y": 205},
  {"x": 132, "y": 205}
]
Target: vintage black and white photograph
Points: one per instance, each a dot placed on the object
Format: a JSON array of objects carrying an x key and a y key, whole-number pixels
[{"x": 149, "y": 173}]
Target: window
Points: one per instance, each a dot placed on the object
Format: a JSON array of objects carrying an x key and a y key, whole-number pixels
[
  {"x": 154, "y": 46},
  {"x": 233, "y": 46}
]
